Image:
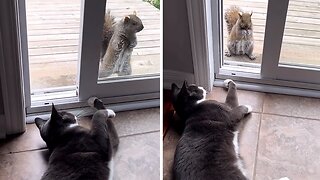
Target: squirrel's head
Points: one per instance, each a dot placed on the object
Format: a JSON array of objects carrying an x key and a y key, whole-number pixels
[
  {"x": 133, "y": 22},
  {"x": 244, "y": 21}
]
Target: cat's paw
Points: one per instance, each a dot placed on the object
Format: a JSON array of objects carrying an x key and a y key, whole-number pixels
[
  {"x": 226, "y": 83},
  {"x": 249, "y": 108},
  {"x": 111, "y": 113},
  {"x": 91, "y": 101},
  {"x": 252, "y": 57}
]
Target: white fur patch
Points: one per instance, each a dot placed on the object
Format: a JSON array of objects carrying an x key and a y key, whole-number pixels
[
  {"x": 74, "y": 124},
  {"x": 110, "y": 166},
  {"x": 249, "y": 108},
  {"x": 226, "y": 82},
  {"x": 204, "y": 95},
  {"x": 236, "y": 149},
  {"x": 284, "y": 178},
  {"x": 109, "y": 113}
]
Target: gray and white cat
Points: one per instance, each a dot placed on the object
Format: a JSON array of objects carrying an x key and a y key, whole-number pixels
[
  {"x": 78, "y": 152},
  {"x": 208, "y": 148}
]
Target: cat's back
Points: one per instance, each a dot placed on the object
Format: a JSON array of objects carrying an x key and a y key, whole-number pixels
[
  {"x": 205, "y": 149},
  {"x": 78, "y": 157}
]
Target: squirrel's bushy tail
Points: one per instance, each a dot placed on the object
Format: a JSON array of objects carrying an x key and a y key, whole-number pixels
[
  {"x": 231, "y": 16},
  {"x": 108, "y": 31}
]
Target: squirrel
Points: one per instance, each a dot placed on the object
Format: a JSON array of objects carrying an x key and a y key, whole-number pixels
[
  {"x": 240, "y": 32},
  {"x": 119, "y": 39}
]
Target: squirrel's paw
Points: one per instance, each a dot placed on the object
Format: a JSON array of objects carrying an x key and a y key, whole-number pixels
[
  {"x": 252, "y": 57},
  {"x": 228, "y": 54}
]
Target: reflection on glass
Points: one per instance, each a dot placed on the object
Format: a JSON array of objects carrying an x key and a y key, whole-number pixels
[
  {"x": 131, "y": 40},
  {"x": 301, "y": 40},
  {"x": 244, "y": 27},
  {"x": 53, "y": 40}
]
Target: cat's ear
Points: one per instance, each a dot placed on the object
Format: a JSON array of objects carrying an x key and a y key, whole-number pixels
[
  {"x": 185, "y": 84},
  {"x": 39, "y": 122},
  {"x": 175, "y": 90},
  {"x": 184, "y": 88},
  {"x": 54, "y": 112}
]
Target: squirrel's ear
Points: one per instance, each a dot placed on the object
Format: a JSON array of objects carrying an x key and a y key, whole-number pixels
[
  {"x": 134, "y": 13},
  {"x": 251, "y": 13},
  {"x": 240, "y": 14},
  {"x": 126, "y": 19}
]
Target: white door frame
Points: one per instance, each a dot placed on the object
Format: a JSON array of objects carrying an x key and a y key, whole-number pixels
[
  {"x": 142, "y": 89},
  {"x": 207, "y": 17},
  {"x": 10, "y": 70},
  {"x": 92, "y": 19}
]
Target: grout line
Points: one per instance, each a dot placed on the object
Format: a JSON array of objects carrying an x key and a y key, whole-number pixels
[
  {"x": 44, "y": 148},
  {"x": 258, "y": 139},
  {"x": 304, "y": 118},
  {"x": 29, "y": 150},
  {"x": 142, "y": 133},
  {"x": 257, "y": 149}
]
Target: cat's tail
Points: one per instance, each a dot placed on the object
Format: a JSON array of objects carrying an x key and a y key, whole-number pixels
[{"x": 108, "y": 30}]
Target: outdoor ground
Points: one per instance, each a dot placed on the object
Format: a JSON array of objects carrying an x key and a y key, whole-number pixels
[
  {"x": 53, "y": 36},
  {"x": 302, "y": 32}
]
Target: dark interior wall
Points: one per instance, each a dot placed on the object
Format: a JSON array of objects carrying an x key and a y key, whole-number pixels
[
  {"x": 176, "y": 38},
  {"x": 1, "y": 100}
]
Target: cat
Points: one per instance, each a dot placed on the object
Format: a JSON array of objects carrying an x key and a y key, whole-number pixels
[
  {"x": 77, "y": 152},
  {"x": 208, "y": 147}
]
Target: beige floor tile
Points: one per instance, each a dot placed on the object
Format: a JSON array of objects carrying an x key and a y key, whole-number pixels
[
  {"x": 24, "y": 165},
  {"x": 138, "y": 157},
  {"x": 248, "y": 140},
  {"x": 138, "y": 121},
  {"x": 255, "y": 99},
  {"x": 133, "y": 122},
  {"x": 288, "y": 147},
  {"x": 29, "y": 140},
  {"x": 169, "y": 146},
  {"x": 292, "y": 106}
]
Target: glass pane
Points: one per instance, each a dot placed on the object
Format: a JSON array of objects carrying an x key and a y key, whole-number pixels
[
  {"x": 53, "y": 39},
  {"x": 240, "y": 33},
  {"x": 131, "y": 43},
  {"x": 301, "y": 40}
]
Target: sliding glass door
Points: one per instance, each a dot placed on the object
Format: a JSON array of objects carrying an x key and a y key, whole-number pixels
[
  {"x": 286, "y": 42},
  {"x": 61, "y": 47}
]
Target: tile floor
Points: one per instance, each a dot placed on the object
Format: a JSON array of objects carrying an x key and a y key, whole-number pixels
[
  {"x": 138, "y": 157},
  {"x": 280, "y": 139}
]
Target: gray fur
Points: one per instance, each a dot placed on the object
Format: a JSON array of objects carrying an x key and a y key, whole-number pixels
[
  {"x": 207, "y": 149},
  {"x": 117, "y": 58},
  {"x": 77, "y": 152}
]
